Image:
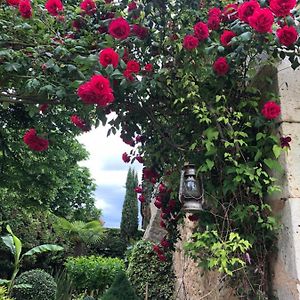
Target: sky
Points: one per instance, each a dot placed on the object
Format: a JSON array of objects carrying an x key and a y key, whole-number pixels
[{"x": 109, "y": 171}]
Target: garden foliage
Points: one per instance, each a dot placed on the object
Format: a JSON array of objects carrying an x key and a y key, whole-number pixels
[
  {"x": 35, "y": 285},
  {"x": 144, "y": 268},
  {"x": 93, "y": 274}
]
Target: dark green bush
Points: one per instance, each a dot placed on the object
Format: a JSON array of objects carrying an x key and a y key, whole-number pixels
[
  {"x": 121, "y": 289},
  {"x": 93, "y": 273},
  {"x": 41, "y": 286},
  {"x": 144, "y": 267}
]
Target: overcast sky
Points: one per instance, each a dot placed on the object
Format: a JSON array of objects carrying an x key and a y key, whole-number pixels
[{"x": 108, "y": 170}]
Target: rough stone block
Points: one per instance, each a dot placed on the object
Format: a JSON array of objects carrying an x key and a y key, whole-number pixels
[
  {"x": 289, "y": 91},
  {"x": 286, "y": 263}
]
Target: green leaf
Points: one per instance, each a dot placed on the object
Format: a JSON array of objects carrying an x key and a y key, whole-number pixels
[
  {"x": 273, "y": 164},
  {"x": 246, "y": 36},
  {"x": 17, "y": 243},
  {"x": 277, "y": 150},
  {"x": 42, "y": 249},
  {"x": 8, "y": 241}
]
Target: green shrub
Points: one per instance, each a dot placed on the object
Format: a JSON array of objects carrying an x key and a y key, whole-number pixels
[
  {"x": 144, "y": 267},
  {"x": 93, "y": 273},
  {"x": 3, "y": 293},
  {"x": 121, "y": 289},
  {"x": 39, "y": 286}
]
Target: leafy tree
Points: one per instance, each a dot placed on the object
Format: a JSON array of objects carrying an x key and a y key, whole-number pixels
[
  {"x": 129, "y": 221},
  {"x": 80, "y": 233}
]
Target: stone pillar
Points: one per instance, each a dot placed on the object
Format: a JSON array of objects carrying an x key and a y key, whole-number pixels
[
  {"x": 192, "y": 283},
  {"x": 286, "y": 262}
]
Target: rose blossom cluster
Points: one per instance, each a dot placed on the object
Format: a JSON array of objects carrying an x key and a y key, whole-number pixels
[
  {"x": 162, "y": 248},
  {"x": 35, "y": 142},
  {"x": 96, "y": 91},
  {"x": 260, "y": 19}
]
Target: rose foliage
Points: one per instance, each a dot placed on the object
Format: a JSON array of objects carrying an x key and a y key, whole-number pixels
[{"x": 176, "y": 78}]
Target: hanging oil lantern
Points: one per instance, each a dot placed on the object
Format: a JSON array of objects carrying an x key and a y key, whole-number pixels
[{"x": 190, "y": 193}]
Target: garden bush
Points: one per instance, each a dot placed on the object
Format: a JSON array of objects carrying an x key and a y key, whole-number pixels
[
  {"x": 93, "y": 274},
  {"x": 144, "y": 267},
  {"x": 121, "y": 289},
  {"x": 41, "y": 286}
]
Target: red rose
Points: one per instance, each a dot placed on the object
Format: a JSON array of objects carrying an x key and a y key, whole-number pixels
[
  {"x": 193, "y": 218},
  {"x": 230, "y": 12},
  {"x": 157, "y": 249},
  {"x": 88, "y": 6},
  {"x": 162, "y": 257},
  {"x": 213, "y": 22},
  {"x": 287, "y": 35},
  {"x": 158, "y": 204},
  {"x": 172, "y": 204},
  {"x": 215, "y": 11},
  {"x": 128, "y": 75},
  {"x": 108, "y": 1},
  {"x": 282, "y": 8},
  {"x": 109, "y": 57},
  {"x": 165, "y": 243},
  {"x": 78, "y": 24},
  {"x": 201, "y": 31},
  {"x": 13, "y": 2},
  {"x": 133, "y": 66},
  {"x": 148, "y": 68},
  {"x": 78, "y": 122},
  {"x": 262, "y": 20},
  {"x": 140, "y": 31},
  {"x": 285, "y": 142},
  {"x": 162, "y": 224},
  {"x": 271, "y": 110},
  {"x": 142, "y": 198},
  {"x": 226, "y": 37},
  {"x": 119, "y": 29},
  {"x": 221, "y": 66},
  {"x": 125, "y": 157},
  {"x": 35, "y": 142},
  {"x": 190, "y": 42},
  {"x": 139, "y": 159},
  {"x": 25, "y": 9},
  {"x": 54, "y": 7},
  {"x": 162, "y": 188},
  {"x": 247, "y": 9},
  {"x": 96, "y": 91},
  {"x": 132, "y": 6},
  {"x": 138, "y": 189}
]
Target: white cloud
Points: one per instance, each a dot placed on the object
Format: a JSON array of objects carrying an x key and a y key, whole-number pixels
[{"x": 102, "y": 204}]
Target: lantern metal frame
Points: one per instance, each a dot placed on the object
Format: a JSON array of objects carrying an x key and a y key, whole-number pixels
[{"x": 190, "y": 203}]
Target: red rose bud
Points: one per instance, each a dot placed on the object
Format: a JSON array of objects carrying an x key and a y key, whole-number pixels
[
  {"x": 43, "y": 107},
  {"x": 25, "y": 9},
  {"x": 193, "y": 218},
  {"x": 158, "y": 204},
  {"x": 139, "y": 159},
  {"x": 221, "y": 66},
  {"x": 132, "y": 6},
  {"x": 166, "y": 210},
  {"x": 165, "y": 243},
  {"x": 162, "y": 257},
  {"x": 148, "y": 68},
  {"x": 285, "y": 142},
  {"x": 34, "y": 142},
  {"x": 138, "y": 189},
  {"x": 88, "y": 6},
  {"x": 162, "y": 188},
  {"x": 157, "y": 249},
  {"x": 162, "y": 224},
  {"x": 271, "y": 110},
  {"x": 142, "y": 198},
  {"x": 215, "y": 11},
  {"x": 172, "y": 204},
  {"x": 125, "y": 157}
]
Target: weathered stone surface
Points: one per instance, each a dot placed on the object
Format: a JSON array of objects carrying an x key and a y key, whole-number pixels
[
  {"x": 285, "y": 264},
  {"x": 154, "y": 232},
  {"x": 192, "y": 282},
  {"x": 289, "y": 91},
  {"x": 290, "y": 178}
]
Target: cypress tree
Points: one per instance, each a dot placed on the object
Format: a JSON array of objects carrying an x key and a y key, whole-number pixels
[{"x": 129, "y": 221}]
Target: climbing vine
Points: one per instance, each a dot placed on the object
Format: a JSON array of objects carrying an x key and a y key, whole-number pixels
[{"x": 178, "y": 79}]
